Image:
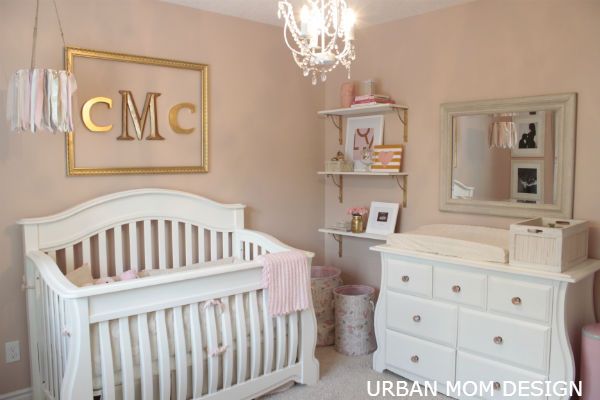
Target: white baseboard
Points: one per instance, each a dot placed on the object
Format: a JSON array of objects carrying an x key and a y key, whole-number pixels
[{"x": 22, "y": 394}]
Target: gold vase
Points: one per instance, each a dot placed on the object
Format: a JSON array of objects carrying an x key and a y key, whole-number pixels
[{"x": 357, "y": 225}]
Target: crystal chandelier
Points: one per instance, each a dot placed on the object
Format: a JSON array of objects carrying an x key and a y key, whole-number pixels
[{"x": 324, "y": 38}]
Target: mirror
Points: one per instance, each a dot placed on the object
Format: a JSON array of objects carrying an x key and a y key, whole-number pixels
[{"x": 509, "y": 157}]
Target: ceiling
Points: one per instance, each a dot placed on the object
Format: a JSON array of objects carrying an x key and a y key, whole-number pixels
[{"x": 369, "y": 12}]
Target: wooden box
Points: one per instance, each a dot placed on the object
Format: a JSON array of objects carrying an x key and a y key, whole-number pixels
[
  {"x": 339, "y": 166},
  {"x": 548, "y": 244}
]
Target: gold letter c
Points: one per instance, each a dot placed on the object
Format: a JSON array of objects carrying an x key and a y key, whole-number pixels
[
  {"x": 86, "y": 114},
  {"x": 173, "y": 117}
]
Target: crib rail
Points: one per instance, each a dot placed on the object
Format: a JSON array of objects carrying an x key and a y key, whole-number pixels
[{"x": 153, "y": 243}]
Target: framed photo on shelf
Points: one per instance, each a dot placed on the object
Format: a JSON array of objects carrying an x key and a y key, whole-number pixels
[
  {"x": 531, "y": 128},
  {"x": 527, "y": 180},
  {"x": 362, "y": 133},
  {"x": 382, "y": 218}
]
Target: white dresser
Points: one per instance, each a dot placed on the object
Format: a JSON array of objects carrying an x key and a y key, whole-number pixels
[{"x": 446, "y": 319}]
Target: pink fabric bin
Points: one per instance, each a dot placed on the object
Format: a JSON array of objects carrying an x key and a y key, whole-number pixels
[
  {"x": 354, "y": 328},
  {"x": 590, "y": 362},
  {"x": 323, "y": 281}
]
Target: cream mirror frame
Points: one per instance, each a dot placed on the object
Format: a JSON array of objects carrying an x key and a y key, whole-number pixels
[{"x": 564, "y": 106}]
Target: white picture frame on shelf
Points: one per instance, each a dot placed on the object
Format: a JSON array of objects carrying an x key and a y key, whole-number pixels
[
  {"x": 361, "y": 133},
  {"x": 382, "y": 218},
  {"x": 527, "y": 180},
  {"x": 531, "y": 131}
]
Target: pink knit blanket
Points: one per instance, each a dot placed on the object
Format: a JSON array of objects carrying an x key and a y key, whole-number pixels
[{"x": 287, "y": 276}]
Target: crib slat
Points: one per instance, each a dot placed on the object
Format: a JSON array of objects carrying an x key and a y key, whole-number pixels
[
  {"x": 247, "y": 249},
  {"x": 180, "y": 353},
  {"x": 227, "y": 341},
  {"x": 201, "y": 245},
  {"x": 226, "y": 245},
  {"x": 52, "y": 254},
  {"x": 127, "y": 381},
  {"x": 254, "y": 335},
  {"x": 162, "y": 258},
  {"x": 58, "y": 339},
  {"x": 86, "y": 251},
  {"x": 188, "y": 244},
  {"x": 145, "y": 357},
  {"x": 255, "y": 251},
  {"x": 281, "y": 341},
  {"x": 212, "y": 348},
  {"x": 148, "y": 253},
  {"x": 175, "y": 244},
  {"x": 45, "y": 341},
  {"x": 53, "y": 339},
  {"x": 164, "y": 362},
  {"x": 118, "y": 246},
  {"x": 102, "y": 254},
  {"x": 268, "y": 333},
  {"x": 213, "y": 245},
  {"x": 197, "y": 350},
  {"x": 241, "y": 342},
  {"x": 70, "y": 258},
  {"x": 292, "y": 338},
  {"x": 106, "y": 362},
  {"x": 133, "y": 247},
  {"x": 62, "y": 320}
]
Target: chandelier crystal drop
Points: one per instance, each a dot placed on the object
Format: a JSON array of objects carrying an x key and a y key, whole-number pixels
[{"x": 323, "y": 40}]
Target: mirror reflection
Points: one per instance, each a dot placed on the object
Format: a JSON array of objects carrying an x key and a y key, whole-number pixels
[{"x": 505, "y": 157}]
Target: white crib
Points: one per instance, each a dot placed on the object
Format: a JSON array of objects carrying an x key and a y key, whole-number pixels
[{"x": 201, "y": 333}]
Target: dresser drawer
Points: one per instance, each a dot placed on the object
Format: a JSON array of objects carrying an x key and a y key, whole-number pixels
[
  {"x": 409, "y": 277},
  {"x": 467, "y": 288},
  {"x": 521, "y": 343},
  {"x": 428, "y": 360},
  {"x": 523, "y": 299},
  {"x": 421, "y": 317},
  {"x": 477, "y": 369}
]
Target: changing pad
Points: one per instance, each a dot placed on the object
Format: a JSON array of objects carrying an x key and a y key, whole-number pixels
[{"x": 478, "y": 243}]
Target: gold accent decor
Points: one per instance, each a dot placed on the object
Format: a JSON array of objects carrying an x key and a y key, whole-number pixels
[
  {"x": 174, "y": 121},
  {"x": 86, "y": 114},
  {"x": 71, "y": 53}
]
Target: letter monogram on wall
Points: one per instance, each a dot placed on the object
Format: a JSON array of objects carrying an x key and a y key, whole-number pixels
[{"x": 159, "y": 122}]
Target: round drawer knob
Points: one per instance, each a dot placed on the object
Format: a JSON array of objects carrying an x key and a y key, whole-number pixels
[
  {"x": 498, "y": 340},
  {"x": 414, "y": 359},
  {"x": 405, "y": 278},
  {"x": 417, "y": 318},
  {"x": 456, "y": 289},
  {"x": 516, "y": 301},
  {"x": 497, "y": 386}
]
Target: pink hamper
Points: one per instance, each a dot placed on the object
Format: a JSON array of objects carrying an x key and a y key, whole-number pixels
[
  {"x": 323, "y": 281},
  {"x": 354, "y": 329},
  {"x": 590, "y": 362}
]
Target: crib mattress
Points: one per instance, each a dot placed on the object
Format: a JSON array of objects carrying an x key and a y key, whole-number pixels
[{"x": 478, "y": 243}]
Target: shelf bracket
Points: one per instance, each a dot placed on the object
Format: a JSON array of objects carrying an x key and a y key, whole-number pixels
[
  {"x": 403, "y": 117},
  {"x": 336, "y": 120},
  {"x": 404, "y": 186},
  {"x": 338, "y": 238},
  {"x": 340, "y": 186}
]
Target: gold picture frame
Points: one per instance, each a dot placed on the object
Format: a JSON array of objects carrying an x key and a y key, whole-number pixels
[{"x": 73, "y": 170}]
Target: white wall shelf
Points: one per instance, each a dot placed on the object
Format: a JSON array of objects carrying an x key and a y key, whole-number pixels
[
  {"x": 401, "y": 180},
  {"x": 338, "y": 237},
  {"x": 336, "y": 115}
]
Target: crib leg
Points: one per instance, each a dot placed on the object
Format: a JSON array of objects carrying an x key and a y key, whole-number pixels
[
  {"x": 310, "y": 365},
  {"x": 77, "y": 383}
]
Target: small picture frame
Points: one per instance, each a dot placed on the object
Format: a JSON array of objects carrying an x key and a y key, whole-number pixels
[
  {"x": 362, "y": 133},
  {"x": 387, "y": 158},
  {"x": 527, "y": 180},
  {"x": 531, "y": 128},
  {"x": 382, "y": 218}
]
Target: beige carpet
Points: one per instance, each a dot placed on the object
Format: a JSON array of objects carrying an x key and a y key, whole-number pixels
[{"x": 344, "y": 378}]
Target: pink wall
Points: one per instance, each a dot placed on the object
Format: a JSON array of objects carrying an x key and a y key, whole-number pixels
[
  {"x": 265, "y": 140},
  {"x": 480, "y": 50}
]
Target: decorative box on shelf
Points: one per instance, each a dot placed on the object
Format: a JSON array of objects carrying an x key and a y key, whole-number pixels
[
  {"x": 339, "y": 166},
  {"x": 548, "y": 244}
]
